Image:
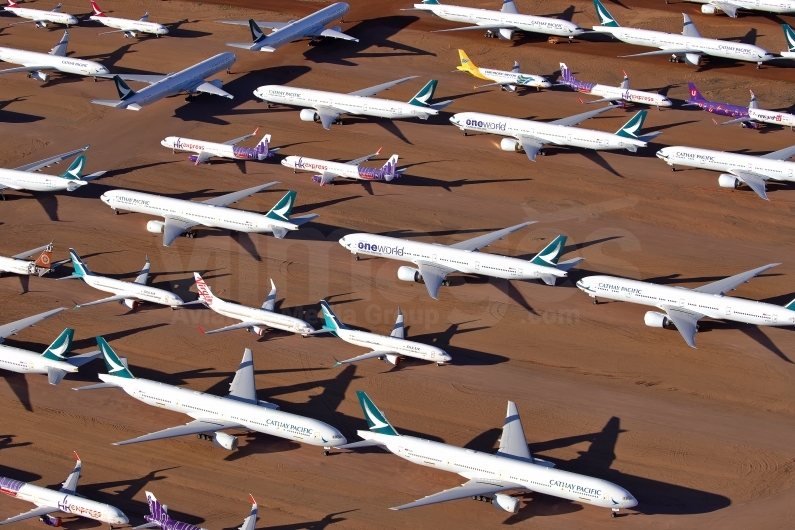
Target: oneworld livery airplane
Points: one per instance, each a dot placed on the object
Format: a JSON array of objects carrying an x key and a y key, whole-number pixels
[
  {"x": 612, "y": 93},
  {"x": 24, "y": 177},
  {"x": 65, "y": 500},
  {"x": 229, "y": 149},
  {"x": 789, "y": 36},
  {"x": 434, "y": 262},
  {"x": 40, "y": 17},
  {"x": 490, "y": 477},
  {"x": 158, "y": 517},
  {"x": 38, "y": 64},
  {"x": 240, "y": 409},
  {"x": 312, "y": 26},
  {"x": 505, "y": 80},
  {"x": 327, "y": 171},
  {"x": 389, "y": 348},
  {"x": 130, "y": 28},
  {"x": 684, "y": 307}
]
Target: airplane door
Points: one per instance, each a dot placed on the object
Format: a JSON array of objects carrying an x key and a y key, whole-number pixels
[
  {"x": 790, "y": 173},
  {"x": 773, "y": 319},
  {"x": 477, "y": 265},
  {"x": 568, "y": 138},
  {"x": 519, "y": 272},
  {"x": 434, "y": 258},
  {"x": 728, "y": 311},
  {"x": 682, "y": 303}
]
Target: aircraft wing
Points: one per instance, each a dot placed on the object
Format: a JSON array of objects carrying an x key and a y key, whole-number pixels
[
  {"x": 513, "y": 442},
  {"x": 174, "y": 227},
  {"x": 327, "y": 115},
  {"x": 28, "y": 253},
  {"x": 243, "y": 388},
  {"x": 721, "y": 287},
  {"x": 150, "y": 79},
  {"x": 487, "y": 239},
  {"x": 203, "y": 157},
  {"x": 364, "y": 158},
  {"x": 368, "y": 355},
  {"x": 241, "y": 325},
  {"x": 754, "y": 181},
  {"x": 531, "y": 146},
  {"x": 478, "y": 27},
  {"x": 229, "y": 198},
  {"x": 26, "y": 69},
  {"x": 12, "y": 328},
  {"x": 332, "y": 34},
  {"x": 433, "y": 275},
  {"x": 70, "y": 484},
  {"x": 35, "y": 512},
  {"x": 781, "y": 154},
  {"x": 373, "y": 90},
  {"x": 209, "y": 88},
  {"x": 669, "y": 51},
  {"x": 727, "y": 7},
  {"x": 685, "y": 321},
  {"x": 738, "y": 120},
  {"x": 579, "y": 118},
  {"x": 115, "y": 298},
  {"x": 47, "y": 162},
  {"x": 238, "y": 140},
  {"x": 194, "y": 427},
  {"x": 269, "y": 25},
  {"x": 470, "y": 489}
]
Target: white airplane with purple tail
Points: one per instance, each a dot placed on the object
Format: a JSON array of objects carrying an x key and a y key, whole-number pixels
[
  {"x": 612, "y": 93},
  {"x": 326, "y": 171},
  {"x": 229, "y": 149}
]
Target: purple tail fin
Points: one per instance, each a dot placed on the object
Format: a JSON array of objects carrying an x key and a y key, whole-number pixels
[
  {"x": 695, "y": 95},
  {"x": 566, "y": 75}
]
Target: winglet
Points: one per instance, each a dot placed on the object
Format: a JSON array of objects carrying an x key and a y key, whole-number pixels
[
  {"x": 77, "y": 458},
  {"x": 200, "y": 329}
]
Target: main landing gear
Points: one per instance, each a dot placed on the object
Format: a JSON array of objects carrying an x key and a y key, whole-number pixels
[
  {"x": 595, "y": 301},
  {"x": 673, "y": 59},
  {"x": 356, "y": 257},
  {"x": 614, "y": 513},
  {"x": 326, "y": 451}
]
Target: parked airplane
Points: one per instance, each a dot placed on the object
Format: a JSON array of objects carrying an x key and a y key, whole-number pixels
[
  {"x": 502, "y": 23},
  {"x": 65, "y": 500},
  {"x": 190, "y": 80},
  {"x": 158, "y": 517},
  {"x": 489, "y": 476},
  {"x": 132, "y": 294},
  {"x": 690, "y": 44},
  {"x": 52, "y": 362},
  {"x": 312, "y": 26},
  {"x": 240, "y": 409},
  {"x": 714, "y": 107},
  {"x": 129, "y": 27},
  {"x": 730, "y": 7},
  {"x": 327, "y": 170},
  {"x": 328, "y": 107},
  {"x": 390, "y": 348},
  {"x": 756, "y": 116},
  {"x": 684, "y": 307},
  {"x": 206, "y": 150},
  {"x": 255, "y": 320},
  {"x": 39, "y": 16},
  {"x": 23, "y": 178},
  {"x": 505, "y": 80},
  {"x": 789, "y": 36},
  {"x": 434, "y": 262},
  {"x": 17, "y": 264},
  {"x": 36, "y": 64},
  {"x": 182, "y": 215},
  {"x": 531, "y": 136},
  {"x": 739, "y": 168},
  {"x": 612, "y": 93}
]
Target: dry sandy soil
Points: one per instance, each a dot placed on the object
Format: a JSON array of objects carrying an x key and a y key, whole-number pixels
[{"x": 702, "y": 437}]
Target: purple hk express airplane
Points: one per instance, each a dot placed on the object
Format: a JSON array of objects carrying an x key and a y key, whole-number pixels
[
  {"x": 158, "y": 517},
  {"x": 738, "y": 112}
]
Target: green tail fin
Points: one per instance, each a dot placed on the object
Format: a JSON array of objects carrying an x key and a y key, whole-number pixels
[
  {"x": 125, "y": 92},
  {"x": 551, "y": 253},
  {"x": 75, "y": 171},
  {"x": 791, "y": 306},
  {"x": 632, "y": 128},
  {"x": 332, "y": 322},
  {"x": 789, "y": 36},
  {"x": 281, "y": 212},
  {"x": 376, "y": 420},
  {"x": 425, "y": 94},
  {"x": 605, "y": 18},
  {"x": 60, "y": 346},
  {"x": 431, "y": 2},
  {"x": 80, "y": 268},
  {"x": 112, "y": 361}
]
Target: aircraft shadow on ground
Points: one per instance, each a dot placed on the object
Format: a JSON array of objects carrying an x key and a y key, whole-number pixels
[
  {"x": 7, "y": 442},
  {"x": 175, "y": 30},
  {"x": 320, "y": 524},
  {"x": 18, "y": 474},
  {"x": 461, "y": 356},
  {"x": 10, "y": 116},
  {"x": 20, "y": 388}
]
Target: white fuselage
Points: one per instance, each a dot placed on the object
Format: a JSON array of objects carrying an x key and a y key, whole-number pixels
[
  {"x": 67, "y": 65},
  {"x": 309, "y": 26},
  {"x": 66, "y": 503},
  {"x": 132, "y": 26},
  {"x": 397, "y": 345},
  {"x": 772, "y": 117},
  {"x": 696, "y": 45},
  {"x": 202, "y": 214},
  {"x": 201, "y": 406},
  {"x": 302, "y": 163},
  {"x": 546, "y": 132},
  {"x": 709, "y": 305},
  {"x": 177, "y": 143},
  {"x": 515, "y": 78},
  {"x": 17, "y": 266},
  {"x": 475, "y": 465},
  {"x": 28, "y": 362},
  {"x": 770, "y": 6},
  {"x": 133, "y": 291},
  {"x": 261, "y": 317},
  {"x": 464, "y": 261},
  {"x": 344, "y": 103},
  {"x": 488, "y": 17},
  {"x": 40, "y": 15},
  {"x": 728, "y": 162},
  {"x": 28, "y": 180},
  {"x": 626, "y": 94}
]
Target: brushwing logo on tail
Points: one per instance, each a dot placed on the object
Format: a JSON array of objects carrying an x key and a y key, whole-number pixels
[
  {"x": 77, "y": 168},
  {"x": 58, "y": 351},
  {"x": 550, "y": 256},
  {"x": 114, "y": 366},
  {"x": 633, "y": 128},
  {"x": 377, "y": 423},
  {"x": 604, "y": 15},
  {"x": 281, "y": 212}
]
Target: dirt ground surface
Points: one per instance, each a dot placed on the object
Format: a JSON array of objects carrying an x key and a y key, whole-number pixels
[{"x": 702, "y": 437}]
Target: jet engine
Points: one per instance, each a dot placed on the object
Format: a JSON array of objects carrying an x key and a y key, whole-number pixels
[
  {"x": 392, "y": 359},
  {"x": 225, "y": 441},
  {"x": 49, "y": 520},
  {"x": 505, "y": 34},
  {"x": 40, "y": 76},
  {"x": 708, "y": 9},
  {"x": 409, "y": 274},
  {"x": 309, "y": 115},
  {"x": 155, "y": 227},
  {"x": 728, "y": 181},
  {"x": 129, "y": 34},
  {"x": 693, "y": 58},
  {"x": 131, "y": 303},
  {"x": 41, "y": 24},
  {"x": 256, "y": 330},
  {"x": 506, "y": 503},
  {"x": 653, "y": 319},
  {"x": 509, "y": 144}
]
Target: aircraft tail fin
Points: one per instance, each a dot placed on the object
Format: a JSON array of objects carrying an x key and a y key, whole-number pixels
[
  {"x": 632, "y": 128},
  {"x": 44, "y": 261},
  {"x": 422, "y": 98},
  {"x": 257, "y": 35},
  {"x": 550, "y": 254},
  {"x": 264, "y": 147},
  {"x": 605, "y": 18},
  {"x": 125, "y": 92},
  {"x": 75, "y": 169},
  {"x": 116, "y": 366},
  {"x": 789, "y": 36},
  {"x": 332, "y": 322},
  {"x": 516, "y": 68},
  {"x": 466, "y": 64},
  {"x": 509, "y": 7},
  {"x": 283, "y": 208},
  {"x": 270, "y": 302},
  {"x": 376, "y": 420},
  {"x": 695, "y": 93},
  {"x": 390, "y": 168},
  {"x": 566, "y": 77},
  {"x": 754, "y": 104},
  {"x": 11, "y": 3},
  {"x": 205, "y": 294},
  {"x": 97, "y": 11},
  {"x": 399, "y": 330},
  {"x": 80, "y": 268},
  {"x": 625, "y": 81},
  {"x": 158, "y": 513},
  {"x": 689, "y": 29},
  {"x": 60, "y": 48},
  {"x": 791, "y": 306},
  {"x": 60, "y": 346},
  {"x": 427, "y": 2}
]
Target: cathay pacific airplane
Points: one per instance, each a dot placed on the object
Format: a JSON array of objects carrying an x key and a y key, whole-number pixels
[
  {"x": 789, "y": 36},
  {"x": 689, "y": 44},
  {"x": 531, "y": 136},
  {"x": 240, "y": 409},
  {"x": 40, "y": 17},
  {"x": 312, "y": 26},
  {"x": 52, "y": 362},
  {"x": 229, "y": 149},
  {"x": 505, "y": 80},
  {"x": 612, "y": 93},
  {"x": 684, "y": 307},
  {"x": 25, "y": 178},
  {"x": 490, "y": 477},
  {"x": 36, "y": 64},
  {"x": 502, "y": 23},
  {"x": 389, "y": 348},
  {"x": 65, "y": 500},
  {"x": 158, "y": 517},
  {"x": 730, "y": 7},
  {"x": 434, "y": 262},
  {"x": 327, "y": 171},
  {"x": 180, "y": 216},
  {"x": 17, "y": 264},
  {"x": 130, "y": 28},
  {"x": 739, "y": 168},
  {"x": 328, "y": 107},
  {"x": 255, "y": 320}
]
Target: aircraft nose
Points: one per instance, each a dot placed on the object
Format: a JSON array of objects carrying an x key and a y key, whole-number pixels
[
  {"x": 121, "y": 518},
  {"x": 659, "y": 154},
  {"x": 103, "y": 70},
  {"x": 104, "y": 198}
]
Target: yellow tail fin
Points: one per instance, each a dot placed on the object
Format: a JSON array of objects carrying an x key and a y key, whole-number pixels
[{"x": 468, "y": 66}]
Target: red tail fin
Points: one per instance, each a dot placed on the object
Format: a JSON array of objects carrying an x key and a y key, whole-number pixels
[
  {"x": 97, "y": 11},
  {"x": 11, "y": 3},
  {"x": 44, "y": 260}
]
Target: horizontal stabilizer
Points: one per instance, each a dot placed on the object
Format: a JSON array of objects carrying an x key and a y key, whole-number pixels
[
  {"x": 650, "y": 136},
  {"x": 303, "y": 219},
  {"x": 54, "y": 375},
  {"x": 83, "y": 358},
  {"x": 363, "y": 443},
  {"x": 566, "y": 265},
  {"x": 441, "y": 105},
  {"x": 211, "y": 88},
  {"x": 244, "y": 45},
  {"x": 97, "y": 386}
]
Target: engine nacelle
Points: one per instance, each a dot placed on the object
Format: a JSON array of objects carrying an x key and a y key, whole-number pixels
[
  {"x": 40, "y": 76},
  {"x": 225, "y": 441},
  {"x": 708, "y": 9},
  {"x": 217, "y": 83},
  {"x": 392, "y": 359},
  {"x": 505, "y": 34},
  {"x": 693, "y": 58},
  {"x": 728, "y": 181},
  {"x": 336, "y": 28},
  {"x": 256, "y": 330},
  {"x": 155, "y": 227},
  {"x": 129, "y": 34},
  {"x": 409, "y": 274},
  {"x": 309, "y": 115},
  {"x": 509, "y": 144},
  {"x": 506, "y": 503},
  {"x": 132, "y": 303},
  {"x": 653, "y": 319},
  {"x": 49, "y": 520}
]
